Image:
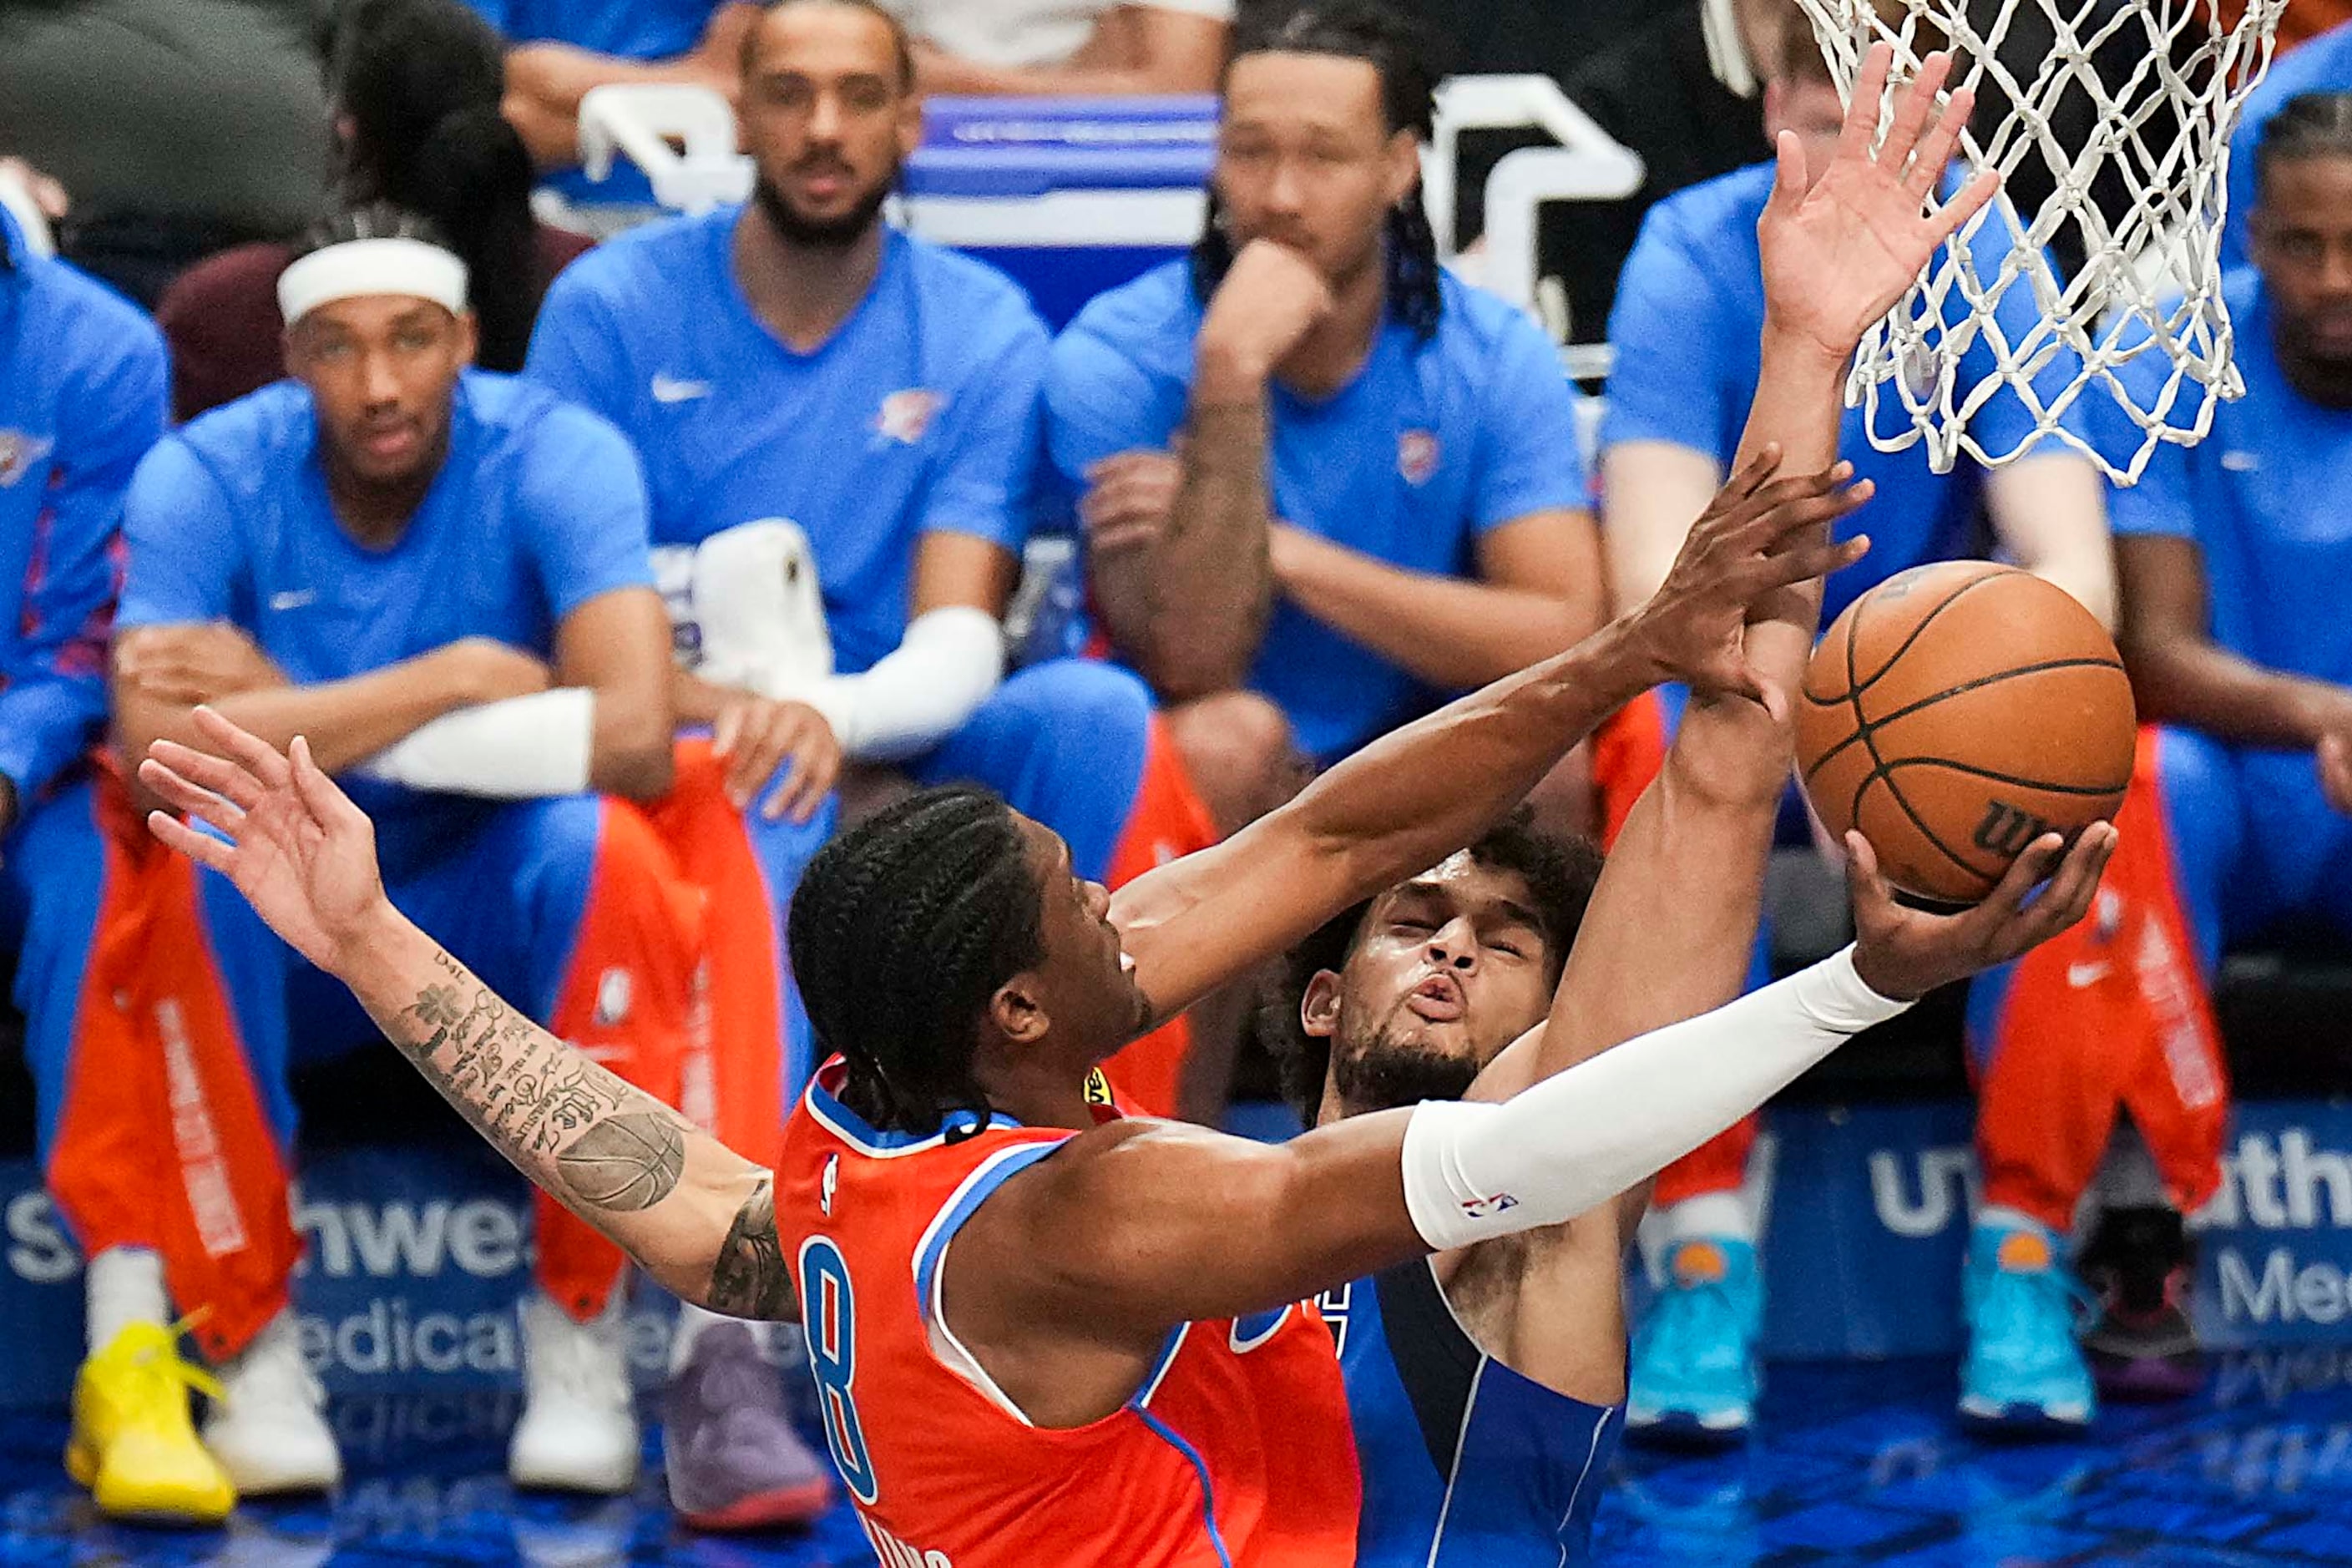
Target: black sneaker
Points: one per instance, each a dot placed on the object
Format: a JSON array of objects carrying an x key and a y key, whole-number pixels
[{"x": 2139, "y": 1264}]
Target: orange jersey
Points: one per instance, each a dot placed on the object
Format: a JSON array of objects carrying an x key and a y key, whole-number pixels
[{"x": 1236, "y": 1450}]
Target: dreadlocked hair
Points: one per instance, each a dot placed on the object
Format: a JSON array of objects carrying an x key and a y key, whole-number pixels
[
  {"x": 2313, "y": 125},
  {"x": 1392, "y": 44},
  {"x": 901, "y": 929},
  {"x": 1560, "y": 873}
]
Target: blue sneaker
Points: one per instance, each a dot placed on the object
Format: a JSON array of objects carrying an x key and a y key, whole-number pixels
[
  {"x": 1693, "y": 1378},
  {"x": 2025, "y": 1375}
]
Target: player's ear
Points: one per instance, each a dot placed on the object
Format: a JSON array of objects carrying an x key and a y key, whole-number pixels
[
  {"x": 1319, "y": 1010},
  {"x": 1018, "y": 1010},
  {"x": 1403, "y": 167},
  {"x": 469, "y": 336}
]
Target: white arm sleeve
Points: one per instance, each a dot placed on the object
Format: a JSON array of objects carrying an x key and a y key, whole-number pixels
[
  {"x": 921, "y": 691},
  {"x": 1472, "y": 1172},
  {"x": 519, "y": 749}
]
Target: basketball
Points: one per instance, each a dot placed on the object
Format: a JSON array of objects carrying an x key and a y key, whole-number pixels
[{"x": 1956, "y": 712}]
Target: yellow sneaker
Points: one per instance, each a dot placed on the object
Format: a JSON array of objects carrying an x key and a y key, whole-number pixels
[{"x": 133, "y": 1443}]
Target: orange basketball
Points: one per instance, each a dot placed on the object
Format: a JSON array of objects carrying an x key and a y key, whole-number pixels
[{"x": 1956, "y": 712}]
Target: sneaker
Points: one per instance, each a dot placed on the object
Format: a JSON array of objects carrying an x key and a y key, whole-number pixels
[
  {"x": 579, "y": 1427},
  {"x": 1694, "y": 1377},
  {"x": 733, "y": 1459},
  {"x": 268, "y": 1428},
  {"x": 134, "y": 1444},
  {"x": 2140, "y": 1264},
  {"x": 2023, "y": 1374}
]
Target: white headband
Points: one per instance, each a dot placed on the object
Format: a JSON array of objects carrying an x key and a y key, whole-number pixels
[{"x": 360, "y": 267}]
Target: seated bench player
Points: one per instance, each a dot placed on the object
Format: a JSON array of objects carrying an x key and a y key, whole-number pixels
[
  {"x": 440, "y": 576},
  {"x": 810, "y": 388},
  {"x": 2229, "y": 554},
  {"x": 1690, "y": 305},
  {"x": 83, "y": 399},
  {"x": 1325, "y": 483}
]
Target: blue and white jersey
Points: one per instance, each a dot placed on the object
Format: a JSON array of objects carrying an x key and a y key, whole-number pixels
[{"x": 1465, "y": 1463}]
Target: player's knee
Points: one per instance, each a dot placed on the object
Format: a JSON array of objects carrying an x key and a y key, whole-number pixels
[
  {"x": 1239, "y": 751},
  {"x": 1083, "y": 694},
  {"x": 2193, "y": 770}
]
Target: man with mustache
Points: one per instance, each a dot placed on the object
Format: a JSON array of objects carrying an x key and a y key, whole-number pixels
[{"x": 838, "y": 423}]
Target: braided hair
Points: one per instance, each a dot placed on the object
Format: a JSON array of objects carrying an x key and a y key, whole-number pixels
[
  {"x": 901, "y": 929},
  {"x": 1561, "y": 874},
  {"x": 2313, "y": 125},
  {"x": 1393, "y": 45}
]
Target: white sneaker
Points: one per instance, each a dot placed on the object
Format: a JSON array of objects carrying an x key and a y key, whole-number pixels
[
  {"x": 269, "y": 1429},
  {"x": 579, "y": 1427}
]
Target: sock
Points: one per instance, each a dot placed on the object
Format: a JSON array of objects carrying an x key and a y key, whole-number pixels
[
  {"x": 1715, "y": 1216},
  {"x": 124, "y": 1285},
  {"x": 691, "y": 1322},
  {"x": 2127, "y": 1177}
]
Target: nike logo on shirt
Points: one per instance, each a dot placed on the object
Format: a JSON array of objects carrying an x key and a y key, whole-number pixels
[
  {"x": 670, "y": 389},
  {"x": 292, "y": 600}
]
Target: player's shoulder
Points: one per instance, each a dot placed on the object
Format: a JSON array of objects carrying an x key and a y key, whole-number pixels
[
  {"x": 78, "y": 323},
  {"x": 247, "y": 448},
  {"x": 518, "y": 415},
  {"x": 1707, "y": 213},
  {"x": 254, "y": 430},
  {"x": 965, "y": 284},
  {"x": 646, "y": 271},
  {"x": 1478, "y": 324},
  {"x": 1146, "y": 315}
]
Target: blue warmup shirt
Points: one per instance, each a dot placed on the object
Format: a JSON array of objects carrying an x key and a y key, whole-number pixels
[
  {"x": 538, "y": 508},
  {"x": 1687, "y": 327},
  {"x": 83, "y": 395},
  {"x": 2264, "y": 498},
  {"x": 1434, "y": 444},
  {"x": 628, "y": 29},
  {"x": 918, "y": 415},
  {"x": 1465, "y": 1463}
]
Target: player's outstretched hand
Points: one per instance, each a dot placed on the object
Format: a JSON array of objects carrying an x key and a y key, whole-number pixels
[
  {"x": 1761, "y": 533},
  {"x": 1904, "y": 954},
  {"x": 296, "y": 847},
  {"x": 1839, "y": 254}
]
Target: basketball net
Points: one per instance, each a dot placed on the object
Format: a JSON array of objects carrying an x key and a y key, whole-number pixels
[{"x": 2152, "y": 281}]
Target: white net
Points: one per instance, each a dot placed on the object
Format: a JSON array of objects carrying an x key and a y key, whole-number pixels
[{"x": 2123, "y": 111}]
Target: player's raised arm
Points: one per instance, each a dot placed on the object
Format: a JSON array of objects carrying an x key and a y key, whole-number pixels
[
  {"x": 1838, "y": 249},
  {"x": 1411, "y": 797},
  {"x": 691, "y": 1212}
]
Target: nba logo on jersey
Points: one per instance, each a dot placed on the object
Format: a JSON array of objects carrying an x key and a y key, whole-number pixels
[
  {"x": 613, "y": 997},
  {"x": 906, "y": 415},
  {"x": 1417, "y": 455},
  {"x": 18, "y": 453}
]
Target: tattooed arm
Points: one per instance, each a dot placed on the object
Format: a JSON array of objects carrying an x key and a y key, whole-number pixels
[{"x": 695, "y": 1214}]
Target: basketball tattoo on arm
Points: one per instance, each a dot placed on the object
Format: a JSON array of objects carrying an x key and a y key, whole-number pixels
[
  {"x": 608, "y": 1145},
  {"x": 750, "y": 1280},
  {"x": 627, "y": 1162}
]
